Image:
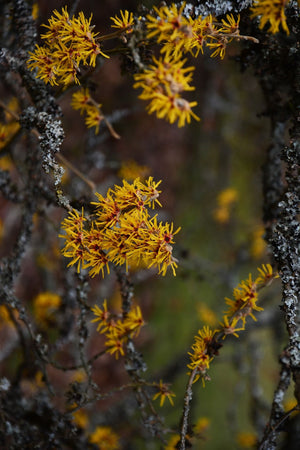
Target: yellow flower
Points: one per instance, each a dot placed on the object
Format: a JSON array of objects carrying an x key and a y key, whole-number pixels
[
  {"x": 45, "y": 305},
  {"x": 199, "y": 357},
  {"x": 272, "y": 12},
  {"x": 102, "y": 316},
  {"x": 266, "y": 274},
  {"x": 80, "y": 100},
  {"x": 116, "y": 339},
  {"x": 219, "y": 46},
  {"x": 168, "y": 25},
  {"x": 230, "y": 24},
  {"x": 80, "y": 417},
  {"x": 42, "y": 59},
  {"x": 125, "y": 22},
  {"x": 164, "y": 392},
  {"x": 105, "y": 438},
  {"x": 246, "y": 297},
  {"x": 225, "y": 200},
  {"x": 229, "y": 326},
  {"x": 227, "y": 197},
  {"x": 201, "y": 425},
  {"x": 94, "y": 117},
  {"x": 134, "y": 321},
  {"x": 246, "y": 439}
]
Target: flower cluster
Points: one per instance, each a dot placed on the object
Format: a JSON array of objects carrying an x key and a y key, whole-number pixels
[
  {"x": 271, "y": 12},
  {"x": 162, "y": 84},
  {"x": 165, "y": 80},
  {"x": 209, "y": 341},
  {"x": 69, "y": 42},
  {"x": 121, "y": 231},
  {"x": 179, "y": 34},
  {"x": 117, "y": 329}
]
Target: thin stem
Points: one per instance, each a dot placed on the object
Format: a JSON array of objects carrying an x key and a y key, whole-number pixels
[{"x": 77, "y": 172}]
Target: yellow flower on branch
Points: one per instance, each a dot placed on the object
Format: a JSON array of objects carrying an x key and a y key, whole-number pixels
[
  {"x": 125, "y": 22},
  {"x": 271, "y": 12},
  {"x": 134, "y": 321},
  {"x": 81, "y": 100},
  {"x": 121, "y": 231},
  {"x": 69, "y": 43},
  {"x": 116, "y": 328},
  {"x": 163, "y": 393},
  {"x": 170, "y": 26},
  {"x": 115, "y": 341},
  {"x": 94, "y": 117},
  {"x": 103, "y": 317},
  {"x": 266, "y": 274},
  {"x": 208, "y": 342},
  {"x": 162, "y": 84},
  {"x": 228, "y": 326}
]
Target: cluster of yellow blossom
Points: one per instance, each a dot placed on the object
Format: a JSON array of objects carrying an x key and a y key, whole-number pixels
[
  {"x": 165, "y": 80},
  {"x": 10, "y": 126},
  {"x": 209, "y": 341},
  {"x": 117, "y": 329},
  {"x": 105, "y": 438},
  {"x": 272, "y": 12},
  {"x": 69, "y": 42},
  {"x": 162, "y": 84},
  {"x": 179, "y": 34},
  {"x": 45, "y": 305},
  {"x": 121, "y": 231}
]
